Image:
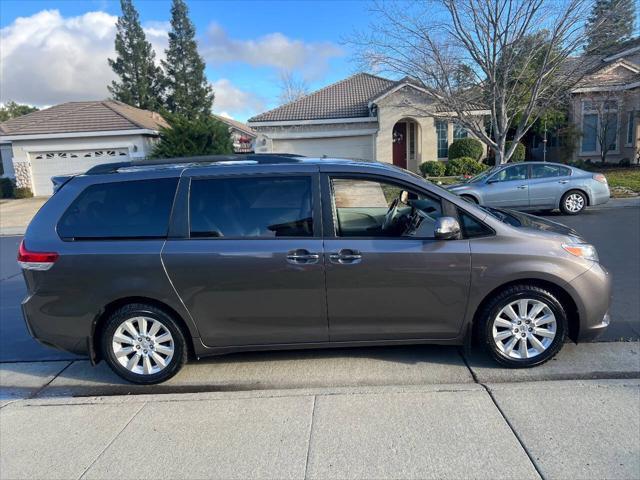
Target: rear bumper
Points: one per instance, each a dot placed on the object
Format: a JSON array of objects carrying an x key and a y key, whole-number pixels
[
  {"x": 47, "y": 329},
  {"x": 600, "y": 195}
]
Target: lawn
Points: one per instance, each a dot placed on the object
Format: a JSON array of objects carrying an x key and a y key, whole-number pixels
[{"x": 625, "y": 178}]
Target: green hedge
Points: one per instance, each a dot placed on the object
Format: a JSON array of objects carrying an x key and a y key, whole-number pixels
[
  {"x": 464, "y": 166},
  {"x": 6, "y": 188},
  {"x": 22, "y": 193},
  {"x": 519, "y": 153},
  {"x": 466, "y": 147},
  {"x": 432, "y": 168}
]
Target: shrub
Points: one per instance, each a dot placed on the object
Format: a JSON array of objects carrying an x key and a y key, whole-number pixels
[
  {"x": 22, "y": 193},
  {"x": 6, "y": 188},
  {"x": 466, "y": 147},
  {"x": 625, "y": 162},
  {"x": 519, "y": 153},
  {"x": 464, "y": 166},
  {"x": 432, "y": 168}
]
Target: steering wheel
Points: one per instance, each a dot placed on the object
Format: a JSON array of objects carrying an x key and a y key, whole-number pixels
[{"x": 391, "y": 213}]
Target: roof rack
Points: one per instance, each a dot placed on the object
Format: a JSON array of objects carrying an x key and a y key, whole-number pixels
[{"x": 261, "y": 158}]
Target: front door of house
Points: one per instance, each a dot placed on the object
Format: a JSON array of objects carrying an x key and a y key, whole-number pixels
[{"x": 400, "y": 145}]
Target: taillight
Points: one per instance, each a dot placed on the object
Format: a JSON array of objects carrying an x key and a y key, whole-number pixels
[
  {"x": 35, "y": 260},
  {"x": 599, "y": 178}
]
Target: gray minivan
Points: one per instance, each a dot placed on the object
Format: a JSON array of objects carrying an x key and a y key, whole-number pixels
[{"x": 143, "y": 266}]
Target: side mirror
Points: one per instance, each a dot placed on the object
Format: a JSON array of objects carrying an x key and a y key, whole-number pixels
[{"x": 447, "y": 228}]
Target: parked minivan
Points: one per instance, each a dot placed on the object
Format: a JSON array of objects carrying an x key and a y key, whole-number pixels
[{"x": 143, "y": 266}]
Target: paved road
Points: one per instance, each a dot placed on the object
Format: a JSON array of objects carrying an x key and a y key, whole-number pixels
[{"x": 614, "y": 231}]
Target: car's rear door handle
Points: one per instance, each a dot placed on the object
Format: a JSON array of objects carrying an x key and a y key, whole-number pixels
[
  {"x": 302, "y": 256},
  {"x": 563, "y": 181},
  {"x": 346, "y": 256},
  {"x": 521, "y": 187}
]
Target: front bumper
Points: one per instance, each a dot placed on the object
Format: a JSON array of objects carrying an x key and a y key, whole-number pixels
[{"x": 592, "y": 294}]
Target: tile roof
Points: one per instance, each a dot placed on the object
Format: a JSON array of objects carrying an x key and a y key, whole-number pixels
[
  {"x": 72, "y": 117},
  {"x": 243, "y": 127},
  {"x": 348, "y": 98}
]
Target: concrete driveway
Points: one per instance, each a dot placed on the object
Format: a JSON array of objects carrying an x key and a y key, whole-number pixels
[{"x": 15, "y": 214}]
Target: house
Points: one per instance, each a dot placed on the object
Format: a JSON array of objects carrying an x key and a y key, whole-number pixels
[
  {"x": 242, "y": 135},
  {"x": 73, "y": 137},
  {"x": 362, "y": 117},
  {"x": 604, "y": 110}
]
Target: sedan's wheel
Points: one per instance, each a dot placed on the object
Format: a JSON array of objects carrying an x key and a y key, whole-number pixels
[
  {"x": 524, "y": 326},
  {"x": 143, "y": 344},
  {"x": 573, "y": 202}
]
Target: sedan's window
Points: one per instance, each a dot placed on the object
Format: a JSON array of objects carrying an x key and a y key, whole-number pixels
[
  {"x": 371, "y": 208},
  {"x": 548, "y": 171},
  {"x": 255, "y": 207},
  {"x": 117, "y": 210},
  {"x": 517, "y": 172}
]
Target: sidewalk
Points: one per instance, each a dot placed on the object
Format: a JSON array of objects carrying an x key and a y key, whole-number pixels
[
  {"x": 15, "y": 215},
  {"x": 566, "y": 429},
  {"x": 423, "y": 413}
]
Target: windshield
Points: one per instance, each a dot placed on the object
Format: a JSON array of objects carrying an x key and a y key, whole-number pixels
[{"x": 482, "y": 176}]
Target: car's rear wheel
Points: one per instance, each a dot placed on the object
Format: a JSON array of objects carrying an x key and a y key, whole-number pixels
[
  {"x": 143, "y": 344},
  {"x": 523, "y": 326},
  {"x": 573, "y": 202}
]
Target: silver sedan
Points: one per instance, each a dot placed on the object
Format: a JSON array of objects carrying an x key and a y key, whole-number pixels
[{"x": 536, "y": 186}]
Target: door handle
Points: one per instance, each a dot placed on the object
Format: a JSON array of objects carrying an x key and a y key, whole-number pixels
[
  {"x": 346, "y": 256},
  {"x": 302, "y": 257},
  {"x": 521, "y": 187},
  {"x": 563, "y": 181}
]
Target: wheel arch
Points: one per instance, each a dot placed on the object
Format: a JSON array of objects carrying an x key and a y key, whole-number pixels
[
  {"x": 573, "y": 316},
  {"x": 95, "y": 353},
  {"x": 472, "y": 196}
]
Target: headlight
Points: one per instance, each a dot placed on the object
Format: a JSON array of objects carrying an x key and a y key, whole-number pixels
[{"x": 583, "y": 250}]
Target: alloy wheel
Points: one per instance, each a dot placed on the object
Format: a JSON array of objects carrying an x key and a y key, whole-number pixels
[
  {"x": 524, "y": 328},
  {"x": 574, "y": 202},
  {"x": 143, "y": 345}
]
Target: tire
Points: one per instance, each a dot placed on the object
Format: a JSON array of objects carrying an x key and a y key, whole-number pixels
[
  {"x": 573, "y": 202},
  {"x": 539, "y": 348},
  {"x": 134, "y": 358},
  {"x": 470, "y": 199}
]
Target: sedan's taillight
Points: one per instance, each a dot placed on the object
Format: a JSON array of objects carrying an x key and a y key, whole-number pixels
[
  {"x": 35, "y": 260},
  {"x": 599, "y": 178}
]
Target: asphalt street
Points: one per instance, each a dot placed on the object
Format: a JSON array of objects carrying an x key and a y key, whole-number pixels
[{"x": 615, "y": 232}]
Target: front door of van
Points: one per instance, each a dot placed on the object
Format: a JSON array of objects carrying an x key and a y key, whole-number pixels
[
  {"x": 381, "y": 284},
  {"x": 251, "y": 271}
]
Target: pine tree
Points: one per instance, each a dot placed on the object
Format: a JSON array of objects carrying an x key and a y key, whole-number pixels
[
  {"x": 188, "y": 93},
  {"x": 611, "y": 22},
  {"x": 140, "y": 82}
]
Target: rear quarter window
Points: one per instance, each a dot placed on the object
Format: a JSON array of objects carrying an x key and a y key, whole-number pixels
[{"x": 134, "y": 209}]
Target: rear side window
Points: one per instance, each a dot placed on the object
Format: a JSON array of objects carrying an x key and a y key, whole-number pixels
[
  {"x": 137, "y": 209},
  {"x": 547, "y": 171},
  {"x": 252, "y": 207}
]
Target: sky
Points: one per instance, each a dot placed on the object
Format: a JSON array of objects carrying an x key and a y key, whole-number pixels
[{"x": 56, "y": 51}]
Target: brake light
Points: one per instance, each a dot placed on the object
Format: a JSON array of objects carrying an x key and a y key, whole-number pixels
[
  {"x": 35, "y": 260},
  {"x": 599, "y": 178}
]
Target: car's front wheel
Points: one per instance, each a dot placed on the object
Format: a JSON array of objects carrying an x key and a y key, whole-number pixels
[
  {"x": 143, "y": 344},
  {"x": 523, "y": 326},
  {"x": 573, "y": 202}
]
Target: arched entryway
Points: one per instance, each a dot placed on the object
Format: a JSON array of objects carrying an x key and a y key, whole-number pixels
[{"x": 405, "y": 138}]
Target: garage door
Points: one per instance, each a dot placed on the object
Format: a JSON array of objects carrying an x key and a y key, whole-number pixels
[
  {"x": 45, "y": 165},
  {"x": 359, "y": 147}
]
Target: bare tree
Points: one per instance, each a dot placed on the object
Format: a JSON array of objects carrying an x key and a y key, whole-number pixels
[
  {"x": 514, "y": 58},
  {"x": 291, "y": 87},
  {"x": 601, "y": 114}
]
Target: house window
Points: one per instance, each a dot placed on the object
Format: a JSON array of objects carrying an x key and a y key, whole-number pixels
[
  {"x": 599, "y": 122},
  {"x": 610, "y": 127},
  {"x": 630, "y": 128},
  {"x": 459, "y": 132},
  {"x": 443, "y": 141},
  {"x": 589, "y": 132},
  {"x": 412, "y": 141}
]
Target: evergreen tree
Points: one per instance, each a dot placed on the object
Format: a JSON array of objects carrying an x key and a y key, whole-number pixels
[
  {"x": 203, "y": 135},
  {"x": 12, "y": 109},
  {"x": 140, "y": 83},
  {"x": 611, "y": 22},
  {"x": 188, "y": 92}
]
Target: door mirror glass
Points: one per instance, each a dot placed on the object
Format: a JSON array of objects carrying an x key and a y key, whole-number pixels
[{"x": 447, "y": 228}]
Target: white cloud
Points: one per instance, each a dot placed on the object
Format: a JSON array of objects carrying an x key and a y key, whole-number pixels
[
  {"x": 47, "y": 59},
  {"x": 272, "y": 50},
  {"x": 233, "y": 102}
]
